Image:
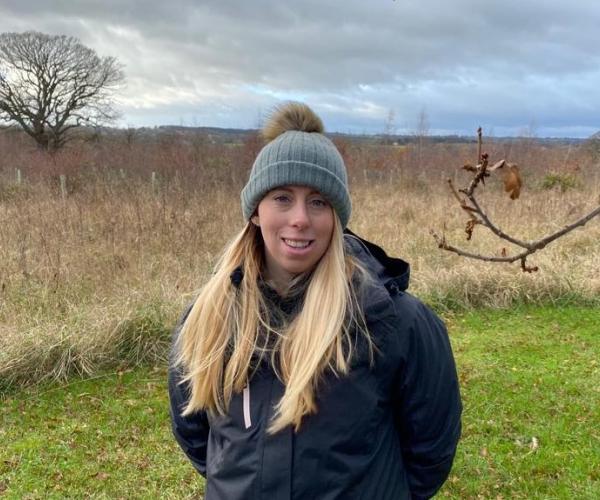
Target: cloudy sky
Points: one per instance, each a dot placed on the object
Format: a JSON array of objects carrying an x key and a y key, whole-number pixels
[{"x": 514, "y": 67}]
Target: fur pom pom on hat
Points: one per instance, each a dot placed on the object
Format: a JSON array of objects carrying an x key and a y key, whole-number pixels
[{"x": 298, "y": 154}]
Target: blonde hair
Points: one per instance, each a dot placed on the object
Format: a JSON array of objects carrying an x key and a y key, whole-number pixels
[{"x": 222, "y": 331}]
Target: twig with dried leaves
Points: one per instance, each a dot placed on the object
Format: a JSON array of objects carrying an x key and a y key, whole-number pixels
[{"x": 477, "y": 216}]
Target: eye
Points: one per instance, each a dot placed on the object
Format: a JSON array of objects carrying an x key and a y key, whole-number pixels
[
  {"x": 281, "y": 198},
  {"x": 318, "y": 203}
]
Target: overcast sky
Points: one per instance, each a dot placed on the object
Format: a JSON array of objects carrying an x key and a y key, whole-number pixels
[{"x": 516, "y": 66}]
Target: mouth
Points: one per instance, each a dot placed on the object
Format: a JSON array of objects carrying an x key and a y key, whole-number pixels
[{"x": 297, "y": 244}]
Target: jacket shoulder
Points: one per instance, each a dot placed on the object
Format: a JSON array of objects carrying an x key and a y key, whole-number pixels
[
  {"x": 409, "y": 308},
  {"x": 416, "y": 321}
]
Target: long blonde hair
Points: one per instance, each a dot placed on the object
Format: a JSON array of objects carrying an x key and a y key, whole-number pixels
[{"x": 221, "y": 333}]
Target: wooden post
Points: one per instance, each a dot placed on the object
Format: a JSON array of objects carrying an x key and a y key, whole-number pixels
[
  {"x": 19, "y": 176},
  {"x": 154, "y": 182},
  {"x": 122, "y": 172},
  {"x": 63, "y": 186}
]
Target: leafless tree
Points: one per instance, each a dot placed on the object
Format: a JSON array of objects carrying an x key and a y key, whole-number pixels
[
  {"x": 468, "y": 202},
  {"x": 389, "y": 127},
  {"x": 51, "y": 84},
  {"x": 421, "y": 135}
]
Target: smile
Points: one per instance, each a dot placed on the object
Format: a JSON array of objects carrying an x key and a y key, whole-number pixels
[{"x": 297, "y": 243}]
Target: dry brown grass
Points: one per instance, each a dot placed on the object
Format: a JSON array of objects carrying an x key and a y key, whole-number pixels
[{"x": 98, "y": 278}]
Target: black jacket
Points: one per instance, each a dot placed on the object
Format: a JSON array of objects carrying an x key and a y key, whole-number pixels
[{"x": 387, "y": 431}]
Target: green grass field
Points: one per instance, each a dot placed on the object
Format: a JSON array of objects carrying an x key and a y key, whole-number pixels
[{"x": 531, "y": 427}]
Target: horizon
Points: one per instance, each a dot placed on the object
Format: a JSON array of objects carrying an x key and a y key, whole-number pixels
[
  {"x": 487, "y": 135},
  {"x": 409, "y": 134}
]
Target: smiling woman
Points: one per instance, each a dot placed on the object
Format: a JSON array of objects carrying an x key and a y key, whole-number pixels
[{"x": 303, "y": 369}]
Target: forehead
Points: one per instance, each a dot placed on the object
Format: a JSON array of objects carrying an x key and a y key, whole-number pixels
[{"x": 294, "y": 189}]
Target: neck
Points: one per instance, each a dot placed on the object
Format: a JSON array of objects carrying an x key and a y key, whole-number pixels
[{"x": 281, "y": 284}]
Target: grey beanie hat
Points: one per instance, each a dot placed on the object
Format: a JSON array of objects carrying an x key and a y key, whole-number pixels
[{"x": 298, "y": 154}]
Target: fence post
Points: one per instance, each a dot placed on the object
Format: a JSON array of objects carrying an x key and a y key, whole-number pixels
[
  {"x": 154, "y": 182},
  {"x": 122, "y": 172},
  {"x": 63, "y": 186},
  {"x": 19, "y": 176}
]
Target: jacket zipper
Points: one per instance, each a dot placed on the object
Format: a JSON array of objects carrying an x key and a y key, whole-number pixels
[{"x": 246, "y": 405}]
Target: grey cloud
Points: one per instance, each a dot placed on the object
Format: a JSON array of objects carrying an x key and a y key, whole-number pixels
[{"x": 510, "y": 62}]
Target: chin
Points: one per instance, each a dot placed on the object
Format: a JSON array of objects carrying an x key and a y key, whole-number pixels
[{"x": 294, "y": 270}]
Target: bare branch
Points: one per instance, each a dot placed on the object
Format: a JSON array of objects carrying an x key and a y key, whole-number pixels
[
  {"x": 477, "y": 215},
  {"x": 455, "y": 192},
  {"x": 444, "y": 245},
  {"x": 492, "y": 227},
  {"x": 539, "y": 244}
]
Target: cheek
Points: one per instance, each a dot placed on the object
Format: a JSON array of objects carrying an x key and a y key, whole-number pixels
[
  {"x": 268, "y": 220},
  {"x": 269, "y": 228},
  {"x": 325, "y": 226}
]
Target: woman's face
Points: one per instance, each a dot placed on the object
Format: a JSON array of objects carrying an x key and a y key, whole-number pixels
[{"x": 296, "y": 223}]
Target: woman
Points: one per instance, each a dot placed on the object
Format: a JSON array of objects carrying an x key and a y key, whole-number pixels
[{"x": 303, "y": 369}]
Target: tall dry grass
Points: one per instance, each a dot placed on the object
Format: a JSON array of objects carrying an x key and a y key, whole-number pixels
[{"x": 96, "y": 279}]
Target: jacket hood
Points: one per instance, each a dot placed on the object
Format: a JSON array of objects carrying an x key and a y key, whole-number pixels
[{"x": 393, "y": 273}]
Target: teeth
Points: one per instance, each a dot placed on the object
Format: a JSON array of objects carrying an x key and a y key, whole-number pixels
[{"x": 297, "y": 244}]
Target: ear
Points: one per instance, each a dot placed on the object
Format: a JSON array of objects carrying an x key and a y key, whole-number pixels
[{"x": 255, "y": 220}]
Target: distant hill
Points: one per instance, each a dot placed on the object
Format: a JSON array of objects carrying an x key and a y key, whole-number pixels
[
  {"x": 235, "y": 135},
  {"x": 232, "y": 135}
]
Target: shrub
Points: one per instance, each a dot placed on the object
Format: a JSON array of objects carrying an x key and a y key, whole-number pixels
[
  {"x": 143, "y": 337},
  {"x": 560, "y": 181},
  {"x": 10, "y": 192}
]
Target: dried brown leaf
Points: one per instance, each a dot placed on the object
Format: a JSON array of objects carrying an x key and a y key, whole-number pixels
[
  {"x": 513, "y": 181},
  {"x": 469, "y": 228}
]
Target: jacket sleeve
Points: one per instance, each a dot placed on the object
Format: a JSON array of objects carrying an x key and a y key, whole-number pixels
[
  {"x": 428, "y": 406},
  {"x": 191, "y": 432}
]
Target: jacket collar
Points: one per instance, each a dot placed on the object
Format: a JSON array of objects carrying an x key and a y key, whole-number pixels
[{"x": 394, "y": 273}]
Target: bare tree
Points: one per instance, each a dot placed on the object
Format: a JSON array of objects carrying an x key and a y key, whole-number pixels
[
  {"x": 389, "y": 127},
  {"x": 477, "y": 215},
  {"x": 421, "y": 134},
  {"x": 51, "y": 84}
]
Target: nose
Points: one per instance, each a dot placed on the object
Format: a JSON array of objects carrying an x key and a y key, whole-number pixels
[{"x": 299, "y": 216}]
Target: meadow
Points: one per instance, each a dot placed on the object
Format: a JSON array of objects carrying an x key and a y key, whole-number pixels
[
  {"x": 530, "y": 383},
  {"x": 94, "y": 273}
]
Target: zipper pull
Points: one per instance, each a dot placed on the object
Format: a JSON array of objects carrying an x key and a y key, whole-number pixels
[{"x": 246, "y": 406}]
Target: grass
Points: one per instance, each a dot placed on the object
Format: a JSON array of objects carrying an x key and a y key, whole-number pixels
[
  {"x": 530, "y": 380},
  {"x": 80, "y": 274},
  {"x": 77, "y": 273},
  {"x": 104, "y": 438},
  {"x": 531, "y": 385}
]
